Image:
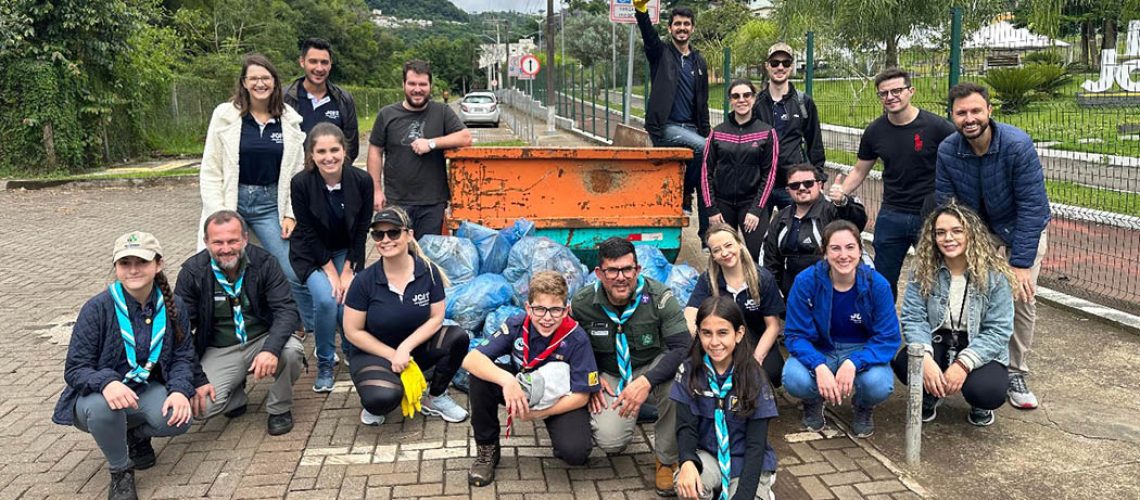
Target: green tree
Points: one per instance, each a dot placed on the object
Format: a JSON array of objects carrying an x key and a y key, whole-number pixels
[
  {"x": 751, "y": 41},
  {"x": 715, "y": 29},
  {"x": 452, "y": 61},
  {"x": 593, "y": 41}
]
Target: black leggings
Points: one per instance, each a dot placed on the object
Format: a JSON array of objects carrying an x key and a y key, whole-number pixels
[
  {"x": 773, "y": 365},
  {"x": 381, "y": 389},
  {"x": 985, "y": 386},
  {"x": 734, "y": 216}
]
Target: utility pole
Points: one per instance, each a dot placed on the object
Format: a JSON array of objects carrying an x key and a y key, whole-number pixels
[{"x": 550, "y": 61}]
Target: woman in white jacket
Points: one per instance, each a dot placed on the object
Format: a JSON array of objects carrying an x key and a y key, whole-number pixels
[{"x": 254, "y": 146}]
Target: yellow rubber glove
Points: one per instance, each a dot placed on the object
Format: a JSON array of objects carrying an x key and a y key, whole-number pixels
[
  {"x": 414, "y": 385},
  {"x": 641, "y": 5}
]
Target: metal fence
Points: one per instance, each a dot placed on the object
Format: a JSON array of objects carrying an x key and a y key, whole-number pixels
[{"x": 1088, "y": 141}]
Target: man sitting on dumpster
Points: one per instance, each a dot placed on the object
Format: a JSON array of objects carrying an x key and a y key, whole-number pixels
[{"x": 638, "y": 333}]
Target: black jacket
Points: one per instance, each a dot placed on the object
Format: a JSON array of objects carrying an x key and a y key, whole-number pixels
[
  {"x": 308, "y": 247},
  {"x": 347, "y": 107},
  {"x": 664, "y": 64},
  {"x": 270, "y": 297},
  {"x": 785, "y": 259},
  {"x": 739, "y": 165},
  {"x": 802, "y": 142}
]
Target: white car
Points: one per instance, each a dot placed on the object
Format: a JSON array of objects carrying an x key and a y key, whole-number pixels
[{"x": 479, "y": 107}]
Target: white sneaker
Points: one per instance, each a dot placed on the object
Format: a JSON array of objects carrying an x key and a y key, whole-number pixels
[
  {"x": 370, "y": 419},
  {"x": 443, "y": 406},
  {"x": 1019, "y": 394}
]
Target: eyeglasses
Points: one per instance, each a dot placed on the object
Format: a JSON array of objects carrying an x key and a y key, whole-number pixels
[
  {"x": 892, "y": 92},
  {"x": 392, "y": 234},
  {"x": 737, "y": 97},
  {"x": 775, "y": 63},
  {"x": 540, "y": 311},
  {"x": 259, "y": 79},
  {"x": 795, "y": 186},
  {"x": 613, "y": 272},
  {"x": 954, "y": 233}
]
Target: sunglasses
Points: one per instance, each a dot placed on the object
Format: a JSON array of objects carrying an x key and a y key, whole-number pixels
[
  {"x": 737, "y": 97},
  {"x": 392, "y": 234},
  {"x": 775, "y": 63},
  {"x": 892, "y": 92},
  {"x": 795, "y": 186}
]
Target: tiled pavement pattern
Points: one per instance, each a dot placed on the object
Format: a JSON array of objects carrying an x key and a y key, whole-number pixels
[{"x": 55, "y": 250}]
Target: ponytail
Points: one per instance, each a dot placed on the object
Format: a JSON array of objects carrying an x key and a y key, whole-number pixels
[
  {"x": 417, "y": 252},
  {"x": 163, "y": 285}
]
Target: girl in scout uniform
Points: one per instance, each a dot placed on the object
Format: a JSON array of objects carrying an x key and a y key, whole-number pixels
[
  {"x": 724, "y": 404},
  {"x": 129, "y": 364}
]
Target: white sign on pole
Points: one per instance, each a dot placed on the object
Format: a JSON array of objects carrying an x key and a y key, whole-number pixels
[
  {"x": 621, "y": 11},
  {"x": 529, "y": 65},
  {"x": 513, "y": 63}
]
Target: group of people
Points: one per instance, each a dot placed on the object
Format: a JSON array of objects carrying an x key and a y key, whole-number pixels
[{"x": 146, "y": 358}]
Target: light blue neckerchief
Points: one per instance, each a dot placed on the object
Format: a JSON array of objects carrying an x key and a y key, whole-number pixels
[
  {"x": 233, "y": 291},
  {"x": 139, "y": 374},
  {"x": 723, "y": 457},
  {"x": 625, "y": 369}
]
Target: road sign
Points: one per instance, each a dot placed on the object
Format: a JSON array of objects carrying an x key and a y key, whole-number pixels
[
  {"x": 513, "y": 64},
  {"x": 621, "y": 11},
  {"x": 529, "y": 65}
]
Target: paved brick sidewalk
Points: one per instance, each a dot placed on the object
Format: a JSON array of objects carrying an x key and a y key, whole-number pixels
[{"x": 55, "y": 248}]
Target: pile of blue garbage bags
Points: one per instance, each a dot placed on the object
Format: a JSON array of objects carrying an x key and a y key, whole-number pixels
[{"x": 489, "y": 272}]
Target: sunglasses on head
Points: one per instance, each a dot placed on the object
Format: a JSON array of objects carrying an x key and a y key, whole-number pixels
[
  {"x": 775, "y": 63},
  {"x": 737, "y": 97},
  {"x": 795, "y": 186},
  {"x": 392, "y": 234}
]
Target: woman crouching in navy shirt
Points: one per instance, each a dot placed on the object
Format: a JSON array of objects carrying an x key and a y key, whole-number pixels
[
  {"x": 724, "y": 404},
  {"x": 129, "y": 364},
  {"x": 333, "y": 205},
  {"x": 753, "y": 289},
  {"x": 393, "y": 313}
]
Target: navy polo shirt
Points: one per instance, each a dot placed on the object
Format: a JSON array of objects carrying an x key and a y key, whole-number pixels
[
  {"x": 780, "y": 116},
  {"x": 335, "y": 201},
  {"x": 682, "y": 111},
  {"x": 328, "y": 110},
  {"x": 260, "y": 151},
  {"x": 389, "y": 316},
  {"x": 847, "y": 324},
  {"x": 702, "y": 404},
  {"x": 771, "y": 303},
  {"x": 574, "y": 351}
]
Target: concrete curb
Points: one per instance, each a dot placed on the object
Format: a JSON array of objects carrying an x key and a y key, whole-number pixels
[
  {"x": 1082, "y": 307},
  {"x": 34, "y": 185}
]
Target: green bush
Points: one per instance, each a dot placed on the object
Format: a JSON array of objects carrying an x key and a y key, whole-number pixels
[
  {"x": 1013, "y": 87},
  {"x": 1044, "y": 57},
  {"x": 1053, "y": 79},
  {"x": 40, "y": 128}
]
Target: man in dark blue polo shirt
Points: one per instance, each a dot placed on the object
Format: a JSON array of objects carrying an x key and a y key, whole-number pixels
[{"x": 318, "y": 100}]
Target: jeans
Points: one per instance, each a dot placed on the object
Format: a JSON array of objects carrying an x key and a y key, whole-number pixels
[
  {"x": 109, "y": 427},
  {"x": 895, "y": 232},
  {"x": 685, "y": 136},
  {"x": 258, "y": 206},
  {"x": 327, "y": 313},
  {"x": 872, "y": 386}
]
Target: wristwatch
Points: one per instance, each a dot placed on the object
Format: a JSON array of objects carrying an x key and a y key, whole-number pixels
[{"x": 431, "y": 143}]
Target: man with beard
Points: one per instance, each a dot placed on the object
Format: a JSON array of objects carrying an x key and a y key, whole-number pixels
[
  {"x": 795, "y": 118},
  {"x": 993, "y": 168},
  {"x": 243, "y": 317},
  {"x": 677, "y": 114},
  {"x": 407, "y": 141},
  {"x": 318, "y": 100}
]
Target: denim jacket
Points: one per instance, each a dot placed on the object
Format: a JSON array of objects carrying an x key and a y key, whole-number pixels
[{"x": 989, "y": 320}]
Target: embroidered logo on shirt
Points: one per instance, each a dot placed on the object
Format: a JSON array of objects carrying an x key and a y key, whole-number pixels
[
  {"x": 421, "y": 299},
  {"x": 277, "y": 137},
  {"x": 857, "y": 318},
  {"x": 917, "y": 142},
  {"x": 592, "y": 378},
  {"x": 332, "y": 114},
  {"x": 751, "y": 305}
]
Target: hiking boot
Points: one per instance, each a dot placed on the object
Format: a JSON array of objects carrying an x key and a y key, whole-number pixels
[
  {"x": 443, "y": 406},
  {"x": 930, "y": 407},
  {"x": 663, "y": 479},
  {"x": 813, "y": 415},
  {"x": 141, "y": 452},
  {"x": 122, "y": 486},
  {"x": 483, "y": 468},
  {"x": 981, "y": 417},
  {"x": 1020, "y": 396},
  {"x": 280, "y": 424},
  {"x": 863, "y": 425},
  {"x": 367, "y": 418},
  {"x": 325, "y": 378},
  {"x": 237, "y": 412}
]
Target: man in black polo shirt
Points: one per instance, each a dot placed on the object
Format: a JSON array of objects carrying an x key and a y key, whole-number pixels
[
  {"x": 906, "y": 139},
  {"x": 243, "y": 317},
  {"x": 318, "y": 100},
  {"x": 795, "y": 118}
]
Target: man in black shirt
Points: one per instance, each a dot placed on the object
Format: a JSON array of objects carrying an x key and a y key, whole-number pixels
[
  {"x": 318, "y": 100},
  {"x": 906, "y": 139}
]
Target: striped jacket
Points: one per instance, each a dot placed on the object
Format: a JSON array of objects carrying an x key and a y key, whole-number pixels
[{"x": 739, "y": 165}]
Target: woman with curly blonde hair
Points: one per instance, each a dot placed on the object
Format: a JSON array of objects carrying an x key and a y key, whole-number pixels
[{"x": 959, "y": 305}]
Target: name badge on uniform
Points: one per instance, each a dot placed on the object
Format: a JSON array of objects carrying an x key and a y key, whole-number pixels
[{"x": 599, "y": 329}]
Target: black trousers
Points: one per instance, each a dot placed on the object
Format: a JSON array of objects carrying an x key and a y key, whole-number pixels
[
  {"x": 985, "y": 387},
  {"x": 380, "y": 388},
  {"x": 773, "y": 365},
  {"x": 426, "y": 219},
  {"x": 733, "y": 214},
  {"x": 569, "y": 432}
]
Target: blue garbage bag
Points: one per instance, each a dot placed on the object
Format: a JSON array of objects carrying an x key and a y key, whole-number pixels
[
  {"x": 494, "y": 246},
  {"x": 653, "y": 262},
  {"x": 470, "y": 303},
  {"x": 456, "y": 257},
  {"x": 531, "y": 255},
  {"x": 497, "y": 317},
  {"x": 682, "y": 280}
]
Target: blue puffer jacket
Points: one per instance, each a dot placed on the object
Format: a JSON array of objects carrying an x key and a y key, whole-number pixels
[
  {"x": 807, "y": 332},
  {"x": 1006, "y": 186}
]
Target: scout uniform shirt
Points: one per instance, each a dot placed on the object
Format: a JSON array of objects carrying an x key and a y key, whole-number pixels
[{"x": 574, "y": 350}]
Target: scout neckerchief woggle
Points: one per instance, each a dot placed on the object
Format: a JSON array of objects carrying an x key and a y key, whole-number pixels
[
  {"x": 625, "y": 369},
  {"x": 560, "y": 334},
  {"x": 233, "y": 291},
  {"x": 720, "y": 392},
  {"x": 139, "y": 374}
]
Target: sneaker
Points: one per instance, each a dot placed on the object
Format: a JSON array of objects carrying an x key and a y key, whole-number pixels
[
  {"x": 367, "y": 418},
  {"x": 141, "y": 452},
  {"x": 663, "y": 479},
  {"x": 280, "y": 424},
  {"x": 764, "y": 488},
  {"x": 980, "y": 417},
  {"x": 1019, "y": 394},
  {"x": 813, "y": 415},
  {"x": 863, "y": 425},
  {"x": 930, "y": 407},
  {"x": 122, "y": 486},
  {"x": 325, "y": 378},
  {"x": 483, "y": 468},
  {"x": 443, "y": 406}
]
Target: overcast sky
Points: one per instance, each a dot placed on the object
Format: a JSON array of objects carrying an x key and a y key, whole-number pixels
[{"x": 501, "y": 5}]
